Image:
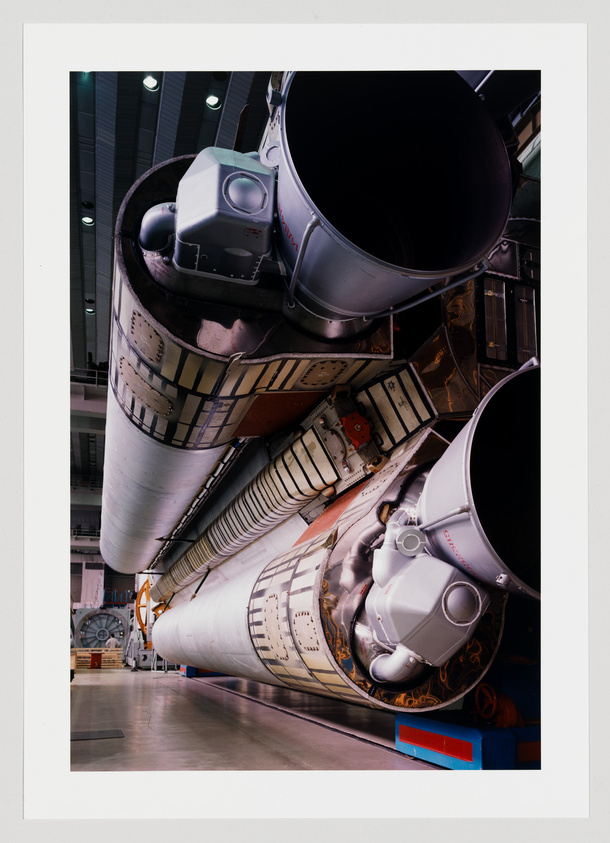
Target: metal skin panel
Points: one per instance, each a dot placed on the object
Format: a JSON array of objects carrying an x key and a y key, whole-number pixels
[
  {"x": 224, "y": 216},
  {"x": 147, "y": 487},
  {"x": 211, "y": 631},
  {"x": 146, "y": 338},
  {"x": 266, "y": 642},
  {"x": 142, "y": 390},
  {"x": 285, "y": 626}
]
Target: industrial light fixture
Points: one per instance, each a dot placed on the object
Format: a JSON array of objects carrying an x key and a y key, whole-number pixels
[
  {"x": 150, "y": 83},
  {"x": 213, "y": 102},
  {"x": 87, "y": 220}
]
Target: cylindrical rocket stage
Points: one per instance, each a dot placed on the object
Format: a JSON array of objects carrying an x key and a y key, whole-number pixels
[{"x": 289, "y": 620}]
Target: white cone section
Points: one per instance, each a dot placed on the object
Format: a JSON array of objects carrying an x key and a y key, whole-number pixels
[
  {"x": 211, "y": 632},
  {"x": 147, "y": 487}
]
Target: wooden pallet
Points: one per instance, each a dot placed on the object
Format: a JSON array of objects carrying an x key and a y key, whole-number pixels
[{"x": 88, "y": 658}]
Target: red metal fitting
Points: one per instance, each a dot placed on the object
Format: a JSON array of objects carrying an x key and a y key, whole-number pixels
[{"x": 357, "y": 429}]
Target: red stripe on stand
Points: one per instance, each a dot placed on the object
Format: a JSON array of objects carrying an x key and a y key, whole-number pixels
[{"x": 445, "y": 745}]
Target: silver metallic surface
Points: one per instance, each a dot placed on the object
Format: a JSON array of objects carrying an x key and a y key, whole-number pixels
[
  {"x": 386, "y": 234},
  {"x": 157, "y": 228},
  {"x": 395, "y": 667},
  {"x": 279, "y": 491},
  {"x": 420, "y": 608},
  {"x": 211, "y": 631},
  {"x": 480, "y": 505},
  {"x": 147, "y": 487},
  {"x": 224, "y": 216}
]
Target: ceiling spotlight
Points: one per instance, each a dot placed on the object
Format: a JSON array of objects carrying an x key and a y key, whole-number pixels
[
  {"x": 213, "y": 102},
  {"x": 87, "y": 220},
  {"x": 90, "y": 310},
  {"x": 151, "y": 83}
]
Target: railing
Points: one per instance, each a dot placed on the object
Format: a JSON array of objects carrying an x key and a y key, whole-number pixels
[
  {"x": 79, "y": 533},
  {"x": 95, "y": 377},
  {"x": 114, "y": 597},
  {"x": 91, "y": 483}
]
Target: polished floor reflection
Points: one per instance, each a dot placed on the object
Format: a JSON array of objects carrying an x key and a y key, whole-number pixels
[{"x": 170, "y": 722}]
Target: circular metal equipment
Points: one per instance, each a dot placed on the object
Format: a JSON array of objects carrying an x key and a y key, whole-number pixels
[
  {"x": 95, "y": 628},
  {"x": 382, "y": 223},
  {"x": 410, "y": 541}
]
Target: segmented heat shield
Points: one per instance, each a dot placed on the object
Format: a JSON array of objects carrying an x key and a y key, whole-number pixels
[
  {"x": 289, "y": 620},
  {"x": 280, "y": 490}
]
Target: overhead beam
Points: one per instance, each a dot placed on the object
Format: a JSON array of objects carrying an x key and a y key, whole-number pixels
[
  {"x": 87, "y": 400},
  {"x": 87, "y": 424}
]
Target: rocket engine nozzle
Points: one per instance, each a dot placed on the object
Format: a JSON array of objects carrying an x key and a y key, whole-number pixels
[
  {"x": 404, "y": 177},
  {"x": 480, "y": 506}
]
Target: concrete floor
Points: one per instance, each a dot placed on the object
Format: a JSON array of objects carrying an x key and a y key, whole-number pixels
[{"x": 171, "y": 722}]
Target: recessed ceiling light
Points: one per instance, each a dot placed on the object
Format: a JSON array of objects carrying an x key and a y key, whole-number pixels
[
  {"x": 87, "y": 220},
  {"x": 90, "y": 310},
  {"x": 151, "y": 83},
  {"x": 213, "y": 102}
]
